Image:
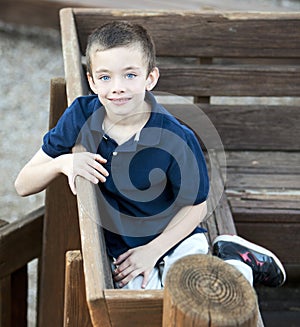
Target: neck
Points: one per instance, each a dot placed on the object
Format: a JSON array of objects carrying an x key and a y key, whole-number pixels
[
  {"x": 122, "y": 129},
  {"x": 133, "y": 119}
]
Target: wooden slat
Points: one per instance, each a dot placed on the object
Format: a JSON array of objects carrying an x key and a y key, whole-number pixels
[
  {"x": 19, "y": 292},
  {"x": 61, "y": 230},
  {"x": 271, "y": 216},
  {"x": 20, "y": 242},
  {"x": 274, "y": 237},
  {"x": 263, "y": 162},
  {"x": 74, "y": 73},
  {"x": 5, "y": 301},
  {"x": 230, "y": 80},
  {"x": 13, "y": 298},
  {"x": 255, "y": 127},
  {"x": 76, "y": 312},
  {"x": 203, "y": 34},
  {"x": 246, "y": 127},
  {"x": 263, "y": 182},
  {"x": 95, "y": 262},
  {"x": 135, "y": 308},
  {"x": 264, "y": 203}
]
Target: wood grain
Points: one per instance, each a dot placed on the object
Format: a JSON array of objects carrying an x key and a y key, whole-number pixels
[{"x": 202, "y": 290}]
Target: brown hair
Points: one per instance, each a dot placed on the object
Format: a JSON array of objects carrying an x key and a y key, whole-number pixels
[{"x": 121, "y": 33}]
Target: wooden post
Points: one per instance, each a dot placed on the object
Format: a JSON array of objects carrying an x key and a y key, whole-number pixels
[
  {"x": 202, "y": 290},
  {"x": 61, "y": 230},
  {"x": 76, "y": 313}
]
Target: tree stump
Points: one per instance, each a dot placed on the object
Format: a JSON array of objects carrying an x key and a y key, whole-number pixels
[{"x": 202, "y": 290}]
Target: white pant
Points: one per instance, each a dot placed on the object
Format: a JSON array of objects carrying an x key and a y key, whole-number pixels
[{"x": 195, "y": 244}]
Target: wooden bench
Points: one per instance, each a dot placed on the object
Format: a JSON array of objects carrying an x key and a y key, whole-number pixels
[
  {"x": 242, "y": 69},
  {"x": 210, "y": 57}
]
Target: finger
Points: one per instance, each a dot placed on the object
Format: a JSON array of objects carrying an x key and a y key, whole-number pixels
[
  {"x": 95, "y": 177},
  {"x": 89, "y": 174},
  {"x": 122, "y": 257},
  {"x": 99, "y": 158},
  {"x": 129, "y": 278},
  {"x": 145, "y": 279},
  {"x": 123, "y": 274},
  {"x": 71, "y": 181},
  {"x": 98, "y": 167}
]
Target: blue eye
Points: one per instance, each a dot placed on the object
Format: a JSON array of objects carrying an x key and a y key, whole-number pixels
[
  {"x": 130, "y": 76},
  {"x": 105, "y": 78}
]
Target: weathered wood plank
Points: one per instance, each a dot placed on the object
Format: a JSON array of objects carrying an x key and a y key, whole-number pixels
[
  {"x": 61, "y": 230},
  {"x": 95, "y": 261},
  {"x": 13, "y": 298},
  {"x": 230, "y": 80},
  {"x": 245, "y": 128},
  {"x": 76, "y": 313},
  {"x": 264, "y": 203},
  {"x": 21, "y": 242},
  {"x": 263, "y": 162},
  {"x": 222, "y": 212},
  {"x": 5, "y": 301},
  {"x": 263, "y": 182},
  {"x": 206, "y": 35},
  {"x": 207, "y": 80},
  {"x": 274, "y": 237},
  {"x": 74, "y": 74},
  {"x": 271, "y": 216},
  {"x": 255, "y": 127},
  {"x": 19, "y": 290},
  {"x": 135, "y": 308}
]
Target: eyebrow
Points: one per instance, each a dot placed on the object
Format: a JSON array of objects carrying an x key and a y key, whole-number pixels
[{"x": 104, "y": 70}]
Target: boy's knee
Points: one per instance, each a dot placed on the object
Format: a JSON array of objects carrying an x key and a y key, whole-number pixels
[
  {"x": 195, "y": 244},
  {"x": 199, "y": 243}
]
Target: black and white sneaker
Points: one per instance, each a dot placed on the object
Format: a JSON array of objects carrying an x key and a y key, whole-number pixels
[{"x": 266, "y": 267}]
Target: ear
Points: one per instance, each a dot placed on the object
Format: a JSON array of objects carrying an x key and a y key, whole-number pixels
[
  {"x": 91, "y": 83},
  {"x": 152, "y": 79}
]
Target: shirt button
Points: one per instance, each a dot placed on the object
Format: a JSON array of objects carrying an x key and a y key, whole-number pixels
[{"x": 115, "y": 153}]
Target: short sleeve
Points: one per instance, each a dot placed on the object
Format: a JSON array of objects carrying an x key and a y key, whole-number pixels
[{"x": 61, "y": 139}]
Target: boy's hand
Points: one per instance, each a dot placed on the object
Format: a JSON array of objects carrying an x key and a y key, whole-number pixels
[
  {"x": 134, "y": 262},
  {"x": 85, "y": 164}
]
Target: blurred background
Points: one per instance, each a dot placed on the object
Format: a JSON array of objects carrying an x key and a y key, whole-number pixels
[{"x": 30, "y": 55}]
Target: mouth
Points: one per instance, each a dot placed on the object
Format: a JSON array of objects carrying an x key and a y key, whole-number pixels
[{"x": 119, "y": 101}]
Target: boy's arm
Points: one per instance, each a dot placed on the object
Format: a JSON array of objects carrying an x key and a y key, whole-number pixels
[
  {"x": 141, "y": 260},
  {"x": 42, "y": 169}
]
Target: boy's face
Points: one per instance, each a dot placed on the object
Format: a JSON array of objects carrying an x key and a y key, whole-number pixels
[{"x": 120, "y": 79}]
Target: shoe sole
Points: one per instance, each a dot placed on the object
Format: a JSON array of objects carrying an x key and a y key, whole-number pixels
[{"x": 238, "y": 240}]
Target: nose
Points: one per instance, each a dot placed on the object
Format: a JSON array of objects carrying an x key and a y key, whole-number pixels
[{"x": 118, "y": 86}]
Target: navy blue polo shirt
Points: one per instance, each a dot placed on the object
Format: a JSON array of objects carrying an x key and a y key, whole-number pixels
[{"x": 151, "y": 176}]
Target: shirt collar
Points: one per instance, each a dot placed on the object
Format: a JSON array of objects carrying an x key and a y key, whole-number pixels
[{"x": 143, "y": 137}]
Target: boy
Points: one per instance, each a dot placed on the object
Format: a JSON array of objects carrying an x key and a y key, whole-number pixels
[{"x": 150, "y": 169}]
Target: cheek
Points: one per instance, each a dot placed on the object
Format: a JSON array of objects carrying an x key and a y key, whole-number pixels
[{"x": 101, "y": 90}]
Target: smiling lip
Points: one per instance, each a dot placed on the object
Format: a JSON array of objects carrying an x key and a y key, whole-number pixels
[{"x": 119, "y": 101}]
